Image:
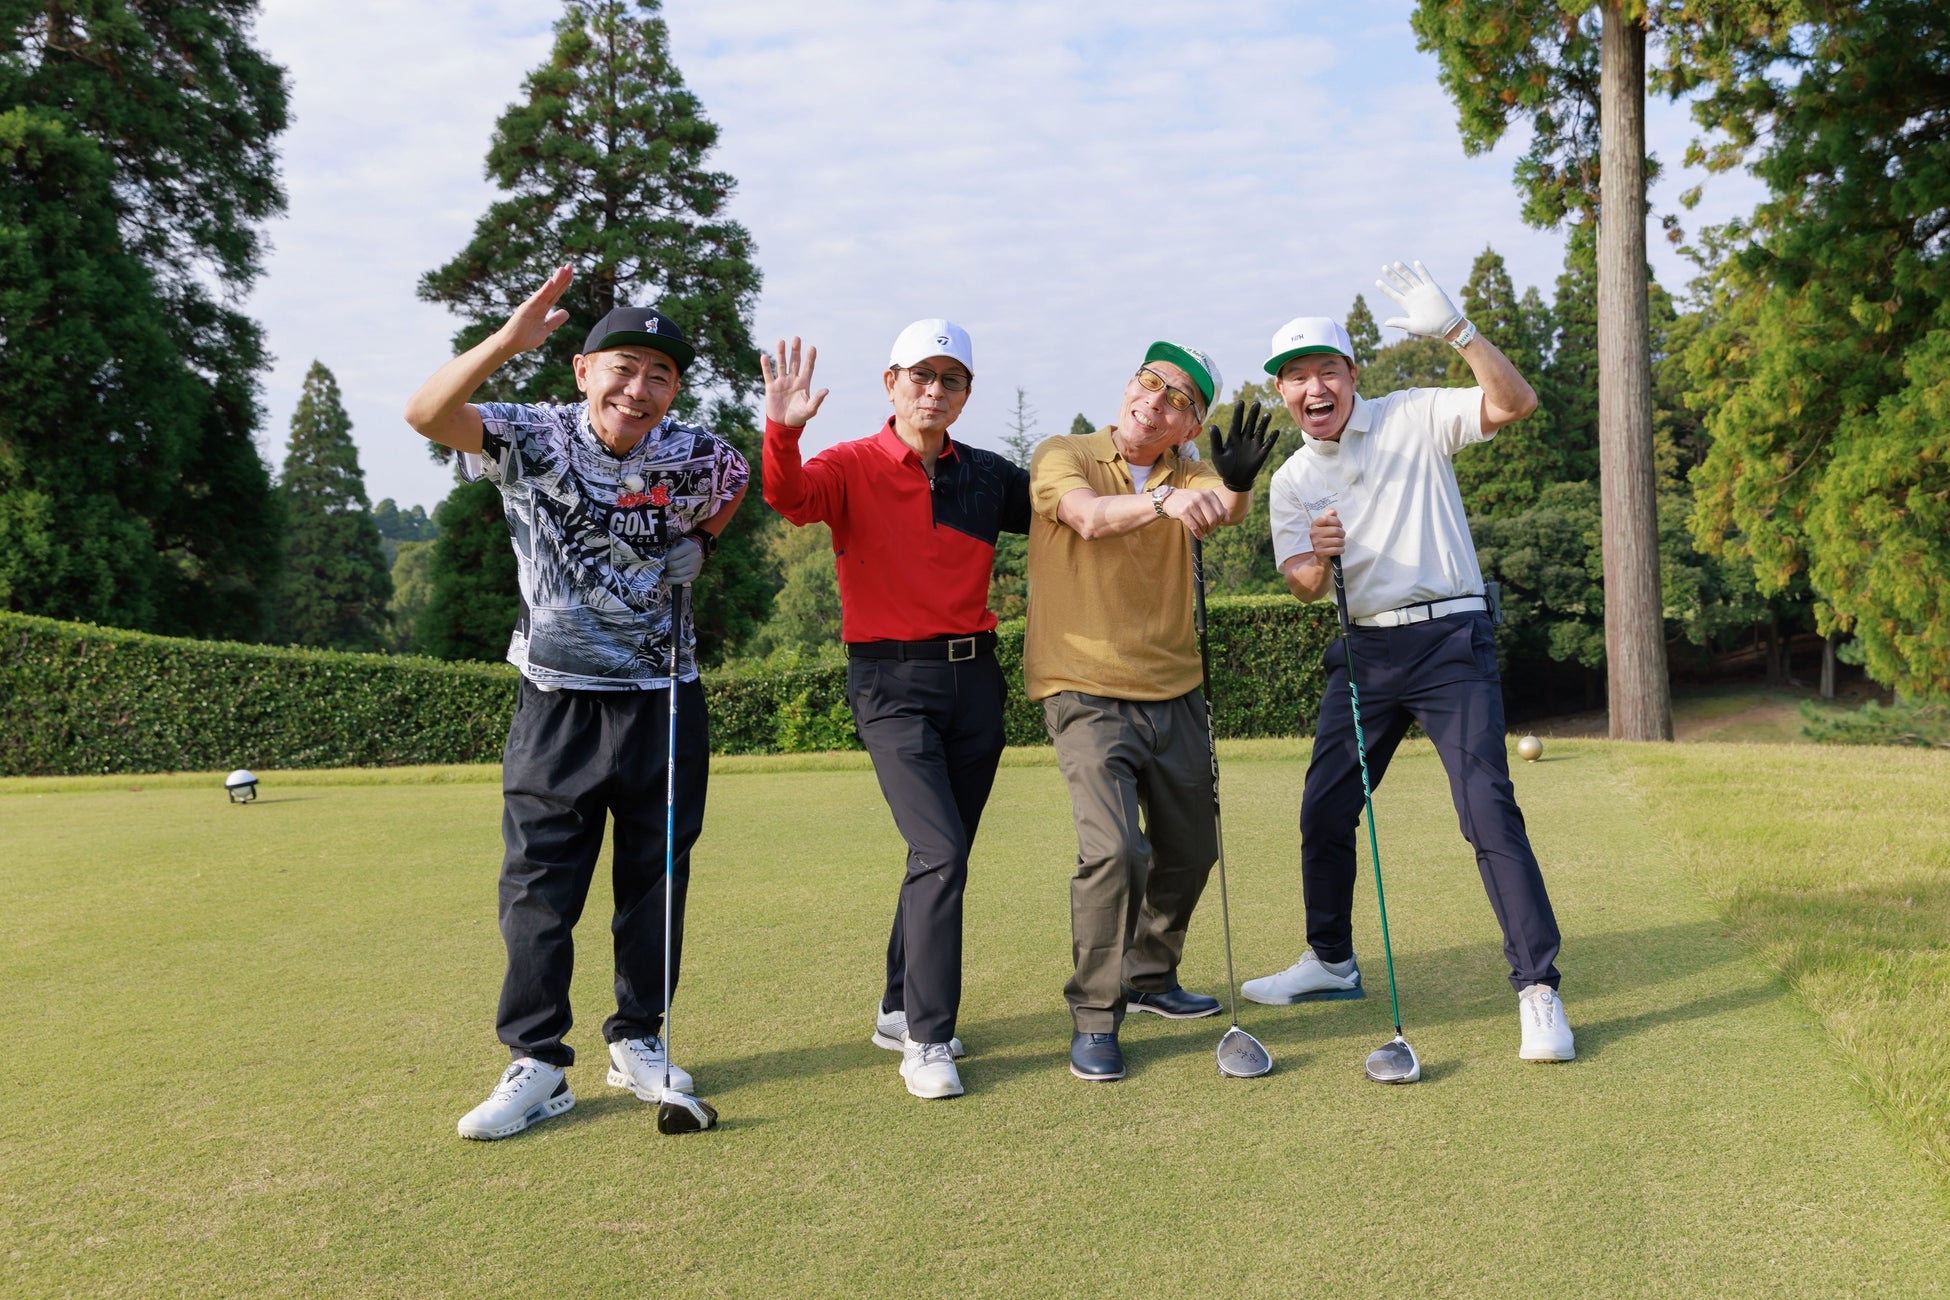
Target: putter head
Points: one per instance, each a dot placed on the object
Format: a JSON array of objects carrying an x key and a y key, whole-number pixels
[
  {"x": 1241, "y": 1056},
  {"x": 679, "y": 1112},
  {"x": 1394, "y": 1062}
]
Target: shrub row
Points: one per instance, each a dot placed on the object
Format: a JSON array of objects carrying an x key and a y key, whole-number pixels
[{"x": 76, "y": 699}]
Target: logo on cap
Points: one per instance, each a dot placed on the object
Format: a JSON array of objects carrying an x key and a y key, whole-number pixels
[{"x": 941, "y": 340}]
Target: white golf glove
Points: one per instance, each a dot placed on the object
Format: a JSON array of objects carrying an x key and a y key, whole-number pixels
[
  {"x": 683, "y": 561},
  {"x": 1430, "y": 314}
]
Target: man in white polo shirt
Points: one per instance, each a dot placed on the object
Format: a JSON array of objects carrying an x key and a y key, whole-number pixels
[{"x": 1373, "y": 483}]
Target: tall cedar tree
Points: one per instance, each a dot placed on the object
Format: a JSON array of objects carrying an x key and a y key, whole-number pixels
[
  {"x": 603, "y": 164},
  {"x": 473, "y": 599},
  {"x": 1823, "y": 370},
  {"x": 136, "y": 161},
  {"x": 603, "y": 167},
  {"x": 336, "y": 584},
  {"x": 1578, "y": 72},
  {"x": 1362, "y": 332}
]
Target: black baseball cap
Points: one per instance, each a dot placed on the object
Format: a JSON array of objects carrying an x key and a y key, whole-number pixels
[{"x": 640, "y": 327}]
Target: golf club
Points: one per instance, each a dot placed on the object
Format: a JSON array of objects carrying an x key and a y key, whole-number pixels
[
  {"x": 678, "y": 1112},
  {"x": 1240, "y": 1055},
  {"x": 1394, "y": 1061}
]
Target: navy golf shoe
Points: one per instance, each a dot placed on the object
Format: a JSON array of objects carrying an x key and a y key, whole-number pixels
[
  {"x": 1096, "y": 1057},
  {"x": 1173, "y": 1003}
]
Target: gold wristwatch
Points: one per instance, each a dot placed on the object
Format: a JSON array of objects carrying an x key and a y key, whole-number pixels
[{"x": 1158, "y": 495}]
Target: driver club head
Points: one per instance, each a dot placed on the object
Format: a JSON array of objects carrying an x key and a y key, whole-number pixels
[
  {"x": 1394, "y": 1062},
  {"x": 1241, "y": 1056},
  {"x": 679, "y": 1112}
]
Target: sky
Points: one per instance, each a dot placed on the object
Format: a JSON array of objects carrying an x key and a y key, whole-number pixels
[{"x": 1068, "y": 182}]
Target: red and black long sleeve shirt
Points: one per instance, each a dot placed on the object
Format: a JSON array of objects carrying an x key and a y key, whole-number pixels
[{"x": 914, "y": 555}]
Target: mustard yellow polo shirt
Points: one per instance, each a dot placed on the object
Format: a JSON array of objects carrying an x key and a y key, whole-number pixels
[{"x": 1111, "y": 616}]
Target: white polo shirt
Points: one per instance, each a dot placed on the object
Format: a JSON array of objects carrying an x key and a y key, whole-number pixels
[{"x": 1389, "y": 476}]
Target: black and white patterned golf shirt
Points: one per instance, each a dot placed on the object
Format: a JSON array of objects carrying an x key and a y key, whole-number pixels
[{"x": 589, "y": 530}]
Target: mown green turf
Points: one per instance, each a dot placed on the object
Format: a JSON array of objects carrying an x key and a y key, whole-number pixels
[{"x": 243, "y": 1036}]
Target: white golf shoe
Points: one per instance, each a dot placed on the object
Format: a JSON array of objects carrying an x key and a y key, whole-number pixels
[
  {"x": 929, "y": 1069},
  {"x": 638, "y": 1064},
  {"x": 530, "y": 1091},
  {"x": 1308, "y": 980},
  {"x": 1546, "y": 1034},
  {"x": 890, "y": 1032}
]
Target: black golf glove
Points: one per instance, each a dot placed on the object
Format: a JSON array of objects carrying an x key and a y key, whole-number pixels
[{"x": 1238, "y": 457}]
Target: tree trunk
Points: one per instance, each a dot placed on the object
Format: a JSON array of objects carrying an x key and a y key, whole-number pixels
[
  {"x": 1828, "y": 665},
  {"x": 1639, "y": 695}
]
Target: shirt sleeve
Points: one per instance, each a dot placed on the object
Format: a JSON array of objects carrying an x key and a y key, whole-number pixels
[
  {"x": 1200, "y": 473},
  {"x": 804, "y": 492},
  {"x": 506, "y": 429},
  {"x": 729, "y": 474},
  {"x": 1015, "y": 498},
  {"x": 1055, "y": 470},
  {"x": 1454, "y": 416},
  {"x": 1292, "y": 533}
]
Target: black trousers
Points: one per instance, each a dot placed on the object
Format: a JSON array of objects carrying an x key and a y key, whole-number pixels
[
  {"x": 935, "y": 733},
  {"x": 574, "y": 759},
  {"x": 1441, "y": 674}
]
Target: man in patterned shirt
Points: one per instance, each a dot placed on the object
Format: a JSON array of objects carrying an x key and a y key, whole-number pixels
[{"x": 612, "y": 505}]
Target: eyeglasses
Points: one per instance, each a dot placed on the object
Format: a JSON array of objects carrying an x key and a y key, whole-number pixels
[
  {"x": 1176, "y": 398},
  {"x": 951, "y": 381}
]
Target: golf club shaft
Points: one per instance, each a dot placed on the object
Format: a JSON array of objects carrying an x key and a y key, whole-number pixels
[
  {"x": 1367, "y": 791},
  {"x": 1212, "y": 744},
  {"x": 678, "y": 601}
]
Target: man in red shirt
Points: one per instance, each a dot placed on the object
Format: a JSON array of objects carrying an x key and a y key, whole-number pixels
[{"x": 914, "y": 518}]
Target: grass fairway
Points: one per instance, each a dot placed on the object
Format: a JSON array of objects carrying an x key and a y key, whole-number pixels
[{"x": 244, "y": 1035}]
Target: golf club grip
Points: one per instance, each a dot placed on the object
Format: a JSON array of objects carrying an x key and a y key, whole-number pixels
[
  {"x": 1340, "y": 591},
  {"x": 1198, "y": 585}
]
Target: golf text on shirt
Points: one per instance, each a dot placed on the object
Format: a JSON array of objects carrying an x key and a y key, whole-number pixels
[
  {"x": 1390, "y": 479},
  {"x": 589, "y": 530}
]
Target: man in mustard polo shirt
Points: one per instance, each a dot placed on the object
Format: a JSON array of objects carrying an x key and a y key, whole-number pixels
[{"x": 1110, "y": 652}]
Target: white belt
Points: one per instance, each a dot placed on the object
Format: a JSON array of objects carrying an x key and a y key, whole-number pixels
[{"x": 1425, "y": 611}]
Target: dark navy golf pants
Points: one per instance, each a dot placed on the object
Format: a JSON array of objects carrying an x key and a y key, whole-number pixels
[
  {"x": 575, "y": 760},
  {"x": 934, "y": 730},
  {"x": 1441, "y": 674}
]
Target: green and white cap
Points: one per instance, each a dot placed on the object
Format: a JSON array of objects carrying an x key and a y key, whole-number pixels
[
  {"x": 1306, "y": 335},
  {"x": 1199, "y": 365}
]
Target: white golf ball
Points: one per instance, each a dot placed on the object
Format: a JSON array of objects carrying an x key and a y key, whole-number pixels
[
  {"x": 634, "y": 482},
  {"x": 1530, "y": 749}
]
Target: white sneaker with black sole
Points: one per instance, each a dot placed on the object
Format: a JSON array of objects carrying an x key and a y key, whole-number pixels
[
  {"x": 638, "y": 1064},
  {"x": 929, "y": 1070},
  {"x": 890, "y": 1032},
  {"x": 1546, "y": 1033},
  {"x": 530, "y": 1092},
  {"x": 1308, "y": 980}
]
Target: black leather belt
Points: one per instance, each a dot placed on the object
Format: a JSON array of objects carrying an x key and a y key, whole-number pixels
[{"x": 955, "y": 649}]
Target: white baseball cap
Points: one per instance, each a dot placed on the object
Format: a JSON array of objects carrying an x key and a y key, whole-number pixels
[
  {"x": 1305, "y": 336},
  {"x": 933, "y": 337}
]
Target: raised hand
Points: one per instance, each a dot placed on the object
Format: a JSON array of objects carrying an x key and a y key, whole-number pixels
[
  {"x": 1239, "y": 457},
  {"x": 539, "y": 317},
  {"x": 789, "y": 400},
  {"x": 1429, "y": 313}
]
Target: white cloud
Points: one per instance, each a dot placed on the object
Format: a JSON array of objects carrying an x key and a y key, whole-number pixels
[{"x": 1067, "y": 181}]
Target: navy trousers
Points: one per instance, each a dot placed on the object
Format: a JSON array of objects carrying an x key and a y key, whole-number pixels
[
  {"x": 934, "y": 731},
  {"x": 1441, "y": 674},
  {"x": 574, "y": 760}
]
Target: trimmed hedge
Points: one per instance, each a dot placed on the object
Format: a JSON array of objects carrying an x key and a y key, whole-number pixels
[{"x": 77, "y": 699}]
